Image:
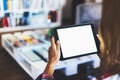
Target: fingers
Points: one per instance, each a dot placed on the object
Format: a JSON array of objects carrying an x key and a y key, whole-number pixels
[
  {"x": 52, "y": 41},
  {"x": 58, "y": 45},
  {"x": 55, "y": 45}
]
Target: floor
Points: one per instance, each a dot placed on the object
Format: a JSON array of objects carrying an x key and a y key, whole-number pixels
[{"x": 9, "y": 69}]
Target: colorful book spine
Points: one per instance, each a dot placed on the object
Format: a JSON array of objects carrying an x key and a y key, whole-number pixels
[{"x": 5, "y": 4}]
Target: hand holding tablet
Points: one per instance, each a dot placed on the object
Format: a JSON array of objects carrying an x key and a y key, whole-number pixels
[{"x": 76, "y": 40}]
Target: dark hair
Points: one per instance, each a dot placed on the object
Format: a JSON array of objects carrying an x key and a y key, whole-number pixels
[{"x": 109, "y": 30}]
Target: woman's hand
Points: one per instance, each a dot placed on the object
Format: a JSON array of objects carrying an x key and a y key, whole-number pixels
[
  {"x": 54, "y": 52},
  {"x": 54, "y": 55}
]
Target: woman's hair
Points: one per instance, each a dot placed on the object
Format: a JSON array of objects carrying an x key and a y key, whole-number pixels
[{"x": 109, "y": 30}]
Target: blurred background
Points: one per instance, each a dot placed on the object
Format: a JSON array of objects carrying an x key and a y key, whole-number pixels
[{"x": 25, "y": 31}]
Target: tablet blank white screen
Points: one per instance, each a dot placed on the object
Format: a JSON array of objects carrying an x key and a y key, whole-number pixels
[{"x": 76, "y": 41}]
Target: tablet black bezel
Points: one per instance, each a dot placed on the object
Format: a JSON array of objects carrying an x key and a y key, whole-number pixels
[{"x": 55, "y": 34}]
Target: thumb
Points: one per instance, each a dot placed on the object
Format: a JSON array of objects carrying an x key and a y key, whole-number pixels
[{"x": 99, "y": 38}]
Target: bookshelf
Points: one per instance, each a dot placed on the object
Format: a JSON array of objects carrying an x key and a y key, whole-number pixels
[
  {"x": 22, "y": 15},
  {"x": 30, "y": 13}
]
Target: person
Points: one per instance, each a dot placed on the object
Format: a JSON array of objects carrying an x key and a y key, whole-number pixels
[
  {"x": 108, "y": 32},
  {"x": 108, "y": 35}
]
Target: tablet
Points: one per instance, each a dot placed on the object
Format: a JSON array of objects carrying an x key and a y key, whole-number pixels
[{"x": 76, "y": 40}]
